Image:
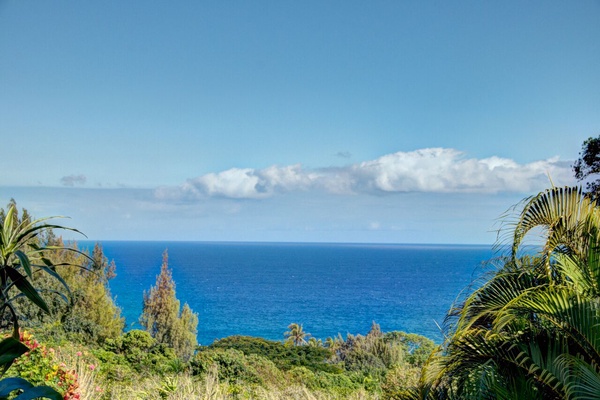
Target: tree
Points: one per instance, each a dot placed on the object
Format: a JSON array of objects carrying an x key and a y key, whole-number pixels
[
  {"x": 588, "y": 165},
  {"x": 161, "y": 316},
  {"x": 531, "y": 330},
  {"x": 296, "y": 335},
  {"x": 185, "y": 340}
]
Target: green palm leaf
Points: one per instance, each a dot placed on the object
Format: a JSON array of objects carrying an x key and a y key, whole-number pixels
[
  {"x": 532, "y": 330},
  {"x": 567, "y": 216},
  {"x": 582, "y": 380}
]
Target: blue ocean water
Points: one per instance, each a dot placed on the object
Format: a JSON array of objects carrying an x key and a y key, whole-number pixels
[{"x": 258, "y": 289}]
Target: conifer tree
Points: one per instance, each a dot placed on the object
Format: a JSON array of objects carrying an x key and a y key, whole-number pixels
[
  {"x": 161, "y": 316},
  {"x": 189, "y": 331}
]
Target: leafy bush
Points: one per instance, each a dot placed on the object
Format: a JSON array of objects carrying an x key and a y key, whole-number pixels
[
  {"x": 232, "y": 365},
  {"x": 137, "y": 350},
  {"x": 398, "y": 380}
]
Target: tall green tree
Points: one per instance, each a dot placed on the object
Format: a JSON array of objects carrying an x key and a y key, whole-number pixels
[
  {"x": 531, "y": 330},
  {"x": 161, "y": 316}
]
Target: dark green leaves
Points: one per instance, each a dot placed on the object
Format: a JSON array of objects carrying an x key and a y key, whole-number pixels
[
  {"x": 10, "y": 349},
  {"x": 25, "y": 263},
  {"x": 29, "y": 392},
  {"x": 26, "y": 288}
]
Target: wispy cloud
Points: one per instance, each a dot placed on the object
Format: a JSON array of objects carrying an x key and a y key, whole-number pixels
[
  {"x": 73, "y": 180},
  {"x": 431, "y": 170}
]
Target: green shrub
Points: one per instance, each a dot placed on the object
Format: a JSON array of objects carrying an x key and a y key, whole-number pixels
[
  {"x": 114, "y": 367},
  {"x": 398, "y": 380},
  {"x": 136, "y": 340},
  {"x": 337, "y": 383},
  {"x": 138, "y": 350},
  {"x": 266, "y": 369},
  {"x": 303, "y": 376},
  {"x": 232, "y": 365}
]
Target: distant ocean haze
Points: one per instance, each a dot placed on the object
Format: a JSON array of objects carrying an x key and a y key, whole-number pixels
[{"x": 258, "y": 289}]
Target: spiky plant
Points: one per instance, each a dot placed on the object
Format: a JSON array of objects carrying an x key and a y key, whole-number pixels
[{"x": 22, "y": 254}]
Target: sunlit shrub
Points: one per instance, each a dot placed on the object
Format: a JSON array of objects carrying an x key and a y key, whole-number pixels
[
  {"x": 398, "y": 379},
  {"x": 40, "y": 367},
  {"x": 232, "y": 365}
]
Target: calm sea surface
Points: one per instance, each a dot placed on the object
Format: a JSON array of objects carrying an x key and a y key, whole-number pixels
[{"x": 258, "y": 289}]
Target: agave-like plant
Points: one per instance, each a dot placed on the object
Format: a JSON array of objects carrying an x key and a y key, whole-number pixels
[
  {"x": 22, "y": 253},
  {"x": 532, "y": 331}
]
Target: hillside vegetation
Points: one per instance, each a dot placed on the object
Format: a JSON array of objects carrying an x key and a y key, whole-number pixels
[{"x": 530, "y": 329}]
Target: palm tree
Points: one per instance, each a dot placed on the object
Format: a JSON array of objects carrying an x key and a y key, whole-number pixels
[
  {"x": 532, "y": 330},
  {"x": 296, "y": 335}
]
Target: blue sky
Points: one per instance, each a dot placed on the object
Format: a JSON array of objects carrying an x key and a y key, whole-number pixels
[{"x": 332, "y": 121}]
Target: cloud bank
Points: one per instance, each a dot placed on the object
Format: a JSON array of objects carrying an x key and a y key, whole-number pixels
[{"x": 431, "y": 170}]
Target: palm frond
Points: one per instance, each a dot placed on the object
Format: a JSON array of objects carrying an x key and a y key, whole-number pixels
[
  {"x": 570, "y": 316},
  {"x": 566, "y": 214}
]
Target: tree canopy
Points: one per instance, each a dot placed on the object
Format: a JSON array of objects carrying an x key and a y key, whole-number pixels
[{"x": 588, "y": 165}]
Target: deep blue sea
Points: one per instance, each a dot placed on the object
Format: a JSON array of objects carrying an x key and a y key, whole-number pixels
[{"x": 258, "y": 289}]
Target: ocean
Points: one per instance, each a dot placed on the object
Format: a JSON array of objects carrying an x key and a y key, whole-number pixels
[{"x": 258, "y": 289}]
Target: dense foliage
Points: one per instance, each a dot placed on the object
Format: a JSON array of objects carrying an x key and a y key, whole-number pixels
[
  {"x": 283, "y": 356},
  {"x": 74, "y": 286},
  {"x": 531, "y": 330},
  {"x": 23, "y": 253},
  {"x": 377, "y": 364},
  {"x": 588, "y": 165}
]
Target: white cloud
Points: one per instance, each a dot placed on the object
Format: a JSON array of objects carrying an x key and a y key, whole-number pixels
[
  {"x": 243, "y": 183},
  {"x": 445, "y": 170},
  {"x": 431, "y": 170}
]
